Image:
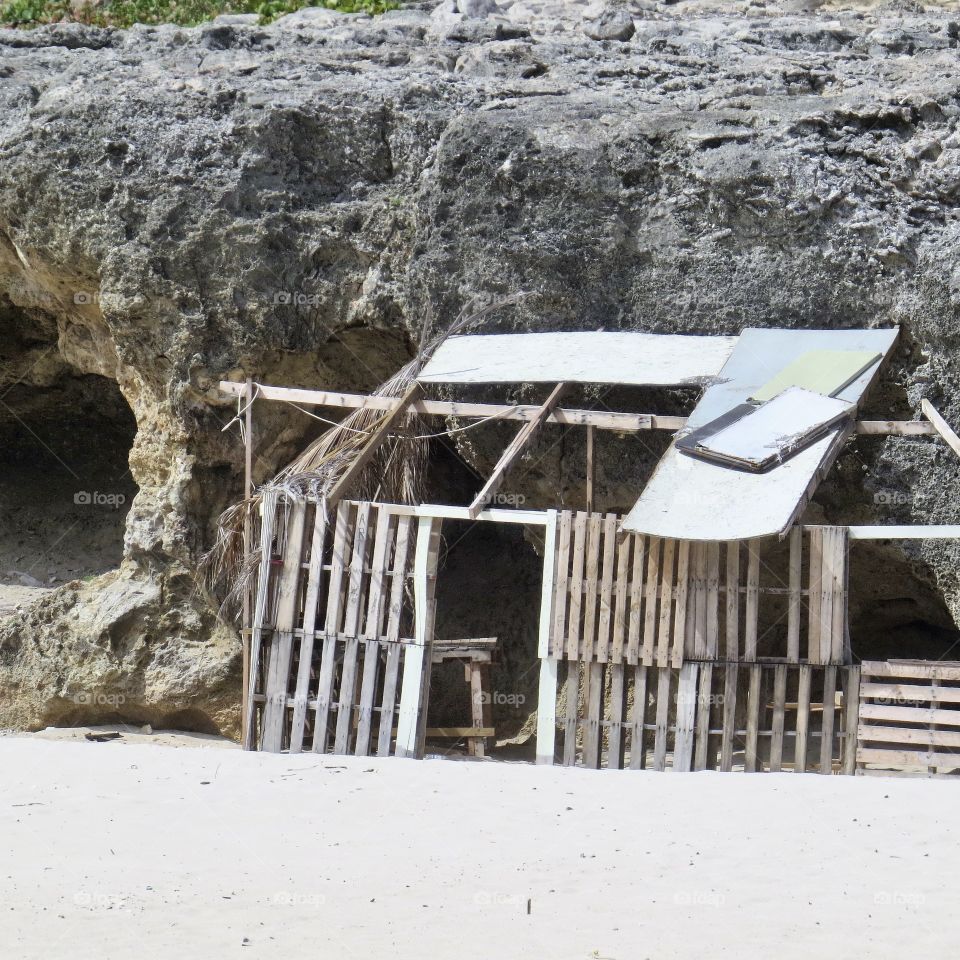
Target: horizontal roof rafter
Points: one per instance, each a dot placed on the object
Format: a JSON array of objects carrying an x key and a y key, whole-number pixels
[{"x": 613, "y": 421}]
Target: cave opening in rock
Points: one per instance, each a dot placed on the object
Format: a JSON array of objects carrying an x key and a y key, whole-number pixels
[
  {"x": 896, "y": 610},
  {"x": 66, "y": 486},
  {"x": 488, "y": 585}
]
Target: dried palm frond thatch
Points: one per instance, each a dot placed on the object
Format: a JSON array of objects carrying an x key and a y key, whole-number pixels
[{"x": 395, "y": 474}]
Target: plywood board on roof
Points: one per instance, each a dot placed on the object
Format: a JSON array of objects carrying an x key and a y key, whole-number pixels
[
  {"x": 638, "y": 359},
  {"x": 775, "y": 430},
  {"x": 691, "y": 499}
]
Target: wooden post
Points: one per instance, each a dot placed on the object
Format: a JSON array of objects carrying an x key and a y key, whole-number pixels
[
  {"x": 413, "y": 707},
  {"x": 591, "y": 431},
  {"x": 246, "y": 624},
  {"x": 547, "y": 694}
]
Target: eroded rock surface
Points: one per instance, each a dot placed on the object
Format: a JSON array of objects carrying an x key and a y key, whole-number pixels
[{"x": 293, "y": 202}]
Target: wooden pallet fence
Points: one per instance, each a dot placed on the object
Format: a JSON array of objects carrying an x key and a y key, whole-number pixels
[
  {"x": 616, "y": 599},
  {"x": 708, "y": 716},
  {"x": 336, "y": 596},
  {"x": 653, "y": 602},
  {"x": 909, "y": 718}
]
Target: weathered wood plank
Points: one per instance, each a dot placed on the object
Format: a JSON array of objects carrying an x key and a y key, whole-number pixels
[
  {"x": 517, "y": 446},
  {"x": 338, "y": 564},
  {"x": 851, "y": 715},
  {"x": 713, "y": 600},
  {"x": 732, "y": 622},
  {"x": 752, "y": 612},
  {"x": 373, "y": 628},
  {"x": 911, "y": 669},
  {"x": 662, "y": 718},
  {"x": 828, "y": 721},
  {"x": 588, "y": 648},
  {"x": 572, "y": 695},
  {"x": 909, "y": 759},
  {"x": 315, "y": 579},
  {"x": 879, "y": 711},
  {"x": 685, "y": 712},
  {"x": 926, "y": 738},
  {"x": 803, "y": 719},
  {"x": 650, "y": 599},
  {"x": 547, "y": 711},
  {"x": 702, "y": 756},
  {"x": 814, "y": 595},
  {"x": 281, "y": 648},
  {"x": 729, "y": 734},
  {"x": 574, "y": 631},
  {"x": 601, "y": 419},
  {"x": 699, "y": 606},
  {"x": 388, "y": 701},
  {"x": 940, "y": 425},
  {"x": 828, "y": 563},
  {"x": 680, "y": 607},
  {"x": 608, "y": 569},
  {"x": 795, "y": 598},
  {"x": 411, "y": 722},
  {"x": 909, "y": 692},
  {"x": 561, "y": 597},
  {"x": 615, "y": 738},
  {"x": 593, "y": 709},
  {"x": 666, "y": 603},
  {"x": 638, "y": 719},
  {"x": 268, "y": 508},
  {"x": 636, "y": 598},
  {"x": 351, "y": 629},
  {"x": 621, "y": 615},
  {"x": 838, "y": 631},
  {"x": 779, "y": 705},
  {"x": 753, "y": 719}
]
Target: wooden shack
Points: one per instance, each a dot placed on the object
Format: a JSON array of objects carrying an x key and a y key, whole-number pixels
[{"x": 705, "y": 629}]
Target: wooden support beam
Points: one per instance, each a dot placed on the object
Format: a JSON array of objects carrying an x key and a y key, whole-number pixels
[
  {"x": 591, "y": 432},
  {"x": 602, "y": 419},
  {"x": 947, "y": 531},
  {"x": 348, "y": 477},
  {"x": 941, "y": 426},
  {"x": 247, "y": 547},
  {"x": 615, "y": 421},
  {"x": 520, "y": 443}
]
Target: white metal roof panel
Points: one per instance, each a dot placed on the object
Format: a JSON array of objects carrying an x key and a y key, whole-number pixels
[
  {"x": 690, "y": 499},
  {"x": 637, "y": 359}
]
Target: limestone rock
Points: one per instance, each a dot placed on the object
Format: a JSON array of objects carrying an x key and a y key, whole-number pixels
[
  {"x": 611, "y": 24},
  {"x": 291, "y": 202}
]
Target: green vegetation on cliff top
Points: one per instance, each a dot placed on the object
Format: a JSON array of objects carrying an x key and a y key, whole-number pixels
[{"x": 125, "y": 13}]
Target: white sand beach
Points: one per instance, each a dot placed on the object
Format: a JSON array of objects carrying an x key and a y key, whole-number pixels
[{"x": 121, "y": 849}]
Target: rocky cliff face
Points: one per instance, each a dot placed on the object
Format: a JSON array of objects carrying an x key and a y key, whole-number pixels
[{"x": 296, "y": 202}]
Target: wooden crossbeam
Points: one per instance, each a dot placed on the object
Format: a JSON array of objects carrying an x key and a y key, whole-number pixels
[
  {"x": 614, "y": 421},
  {"x": 941, "y": 426},
  {"x": 398, "y": 409},
  {"x": 602, "y": 419},
  {"x": 519, "y": 443}
]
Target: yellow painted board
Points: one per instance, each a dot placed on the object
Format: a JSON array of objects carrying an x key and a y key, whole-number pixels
[{"x": 822, "y": 371}]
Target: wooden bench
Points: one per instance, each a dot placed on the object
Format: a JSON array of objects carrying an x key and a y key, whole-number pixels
[{"x": 476, "y": 655}]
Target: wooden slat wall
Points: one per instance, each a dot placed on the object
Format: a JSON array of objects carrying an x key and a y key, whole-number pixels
[
  {"x": 332, "y": 606},
  {"x": 653, "y": 602},
  {"x": 711, "y": 716},
  {"x": 909, "y": 722}
]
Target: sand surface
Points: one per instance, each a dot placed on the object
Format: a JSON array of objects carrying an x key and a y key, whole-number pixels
[{"x": 125, "y": 849}]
